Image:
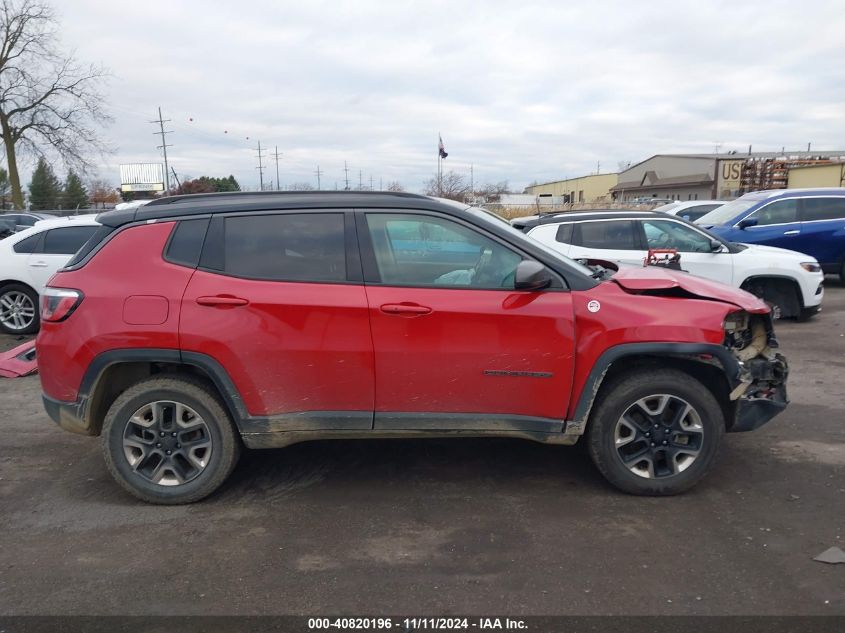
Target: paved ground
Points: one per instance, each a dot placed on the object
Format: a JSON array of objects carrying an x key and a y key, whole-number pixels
[{"x": 438, "y": 527}]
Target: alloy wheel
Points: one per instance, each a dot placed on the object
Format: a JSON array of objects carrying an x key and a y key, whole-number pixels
[
  {"x": 167, "y": 443},
  {"x": 17, "y": 310},
  {"x": 659, "y": 436}
]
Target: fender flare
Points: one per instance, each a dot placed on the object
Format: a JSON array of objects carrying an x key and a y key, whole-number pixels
[
  {"x": 730, "y": 365},
  {"x": 210, "y": 366}
]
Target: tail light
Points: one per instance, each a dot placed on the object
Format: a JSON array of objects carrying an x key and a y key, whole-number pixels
[{"x": 57, "y": 304}]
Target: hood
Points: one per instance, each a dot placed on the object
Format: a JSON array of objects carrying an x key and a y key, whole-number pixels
[
  {"x": 779, "y": 252},
  {"x": 654, "y": 280}
]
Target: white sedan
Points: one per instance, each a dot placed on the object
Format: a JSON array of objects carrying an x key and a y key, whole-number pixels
[
  {"x": 690, "y": 210},
  {"x": 788, "y": 281},
  {"x": 27, "y": 261}
]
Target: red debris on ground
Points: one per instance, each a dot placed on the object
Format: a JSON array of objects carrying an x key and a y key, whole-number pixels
[{"x": 19, "y": 361}]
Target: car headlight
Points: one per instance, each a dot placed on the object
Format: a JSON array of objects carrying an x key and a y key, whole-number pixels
[{"x": 811, "y": 267}]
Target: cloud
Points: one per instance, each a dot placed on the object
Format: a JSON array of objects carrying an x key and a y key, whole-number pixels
[{"x": 522, "y": 91}]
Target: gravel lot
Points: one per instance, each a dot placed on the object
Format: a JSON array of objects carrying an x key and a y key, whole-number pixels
[{"x": 438, "y": 527}]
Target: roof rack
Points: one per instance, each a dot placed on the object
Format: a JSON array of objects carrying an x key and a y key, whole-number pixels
[{"x": 227, "y": 195}]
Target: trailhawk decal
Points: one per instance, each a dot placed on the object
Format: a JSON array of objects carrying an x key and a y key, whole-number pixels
[{"x": 520, "y": 374}]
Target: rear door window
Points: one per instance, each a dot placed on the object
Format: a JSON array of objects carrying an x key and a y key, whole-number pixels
[
  {"x": 608, "y": 234},
  {"x": 824, "y": 209},
  {"x": 286, "y": 247},
  {"x": 67, "y": 240}
]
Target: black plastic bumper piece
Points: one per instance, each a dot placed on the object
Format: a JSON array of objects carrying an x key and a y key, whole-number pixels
[
  {"x": 752, "y": 413},
  {"x": 68, "y": 415}
]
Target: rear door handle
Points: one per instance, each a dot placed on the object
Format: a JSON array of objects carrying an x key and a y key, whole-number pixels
[
  {"x": 405, "y": 308},
  {"x": 221, "y": 301},
  {"x": 792, "y": 232},
  {"x": 39, "y": 264}
]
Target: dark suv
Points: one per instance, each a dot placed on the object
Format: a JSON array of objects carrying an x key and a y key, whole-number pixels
[{"x": 195, "y": 325}]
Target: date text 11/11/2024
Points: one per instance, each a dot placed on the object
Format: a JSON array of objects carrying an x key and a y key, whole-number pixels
[{"x": 416, "y": 624}]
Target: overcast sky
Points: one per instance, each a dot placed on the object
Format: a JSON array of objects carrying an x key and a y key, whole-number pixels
[{"x": 524, "y": 91}]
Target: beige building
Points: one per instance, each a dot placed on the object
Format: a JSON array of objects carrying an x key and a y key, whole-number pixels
[
  {"x": 592, "y": 188},
  {"x": 813, "y": 176}
]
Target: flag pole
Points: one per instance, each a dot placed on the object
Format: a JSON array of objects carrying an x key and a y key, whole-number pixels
[{"x": 439, "y": 169}]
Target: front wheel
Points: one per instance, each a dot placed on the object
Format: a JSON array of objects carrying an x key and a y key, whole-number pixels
[
  {"x": 169, "y": 440},
  {"x": 655, "y": 432}
]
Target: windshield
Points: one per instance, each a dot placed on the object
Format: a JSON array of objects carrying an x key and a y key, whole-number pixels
[
  {"x": 520, "y": 237},
  {"x": 727, "y": 212}
]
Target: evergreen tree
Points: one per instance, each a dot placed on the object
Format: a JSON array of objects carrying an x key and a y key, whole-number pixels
[
  {"x": 75, "y": 195},
  {"x": 45, "y": 189}
]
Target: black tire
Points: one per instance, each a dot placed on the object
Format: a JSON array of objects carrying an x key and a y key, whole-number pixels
[
  {"x": 193, "y": 396},
  {"x": 7, "y": 325},
  {"x": 842, "y": 273},
  {"x": 621, "y": 396}
]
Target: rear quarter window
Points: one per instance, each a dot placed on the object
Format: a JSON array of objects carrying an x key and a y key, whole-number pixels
[
  {"x": 186, "y": 242},
  {"x": 29, "y": 245}
]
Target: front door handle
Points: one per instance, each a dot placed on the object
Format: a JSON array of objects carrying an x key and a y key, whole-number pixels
[
  {"x": 796, "y": 232},
  {"x": 410, "y": 309},
  {"x": 221, "y": 300}
]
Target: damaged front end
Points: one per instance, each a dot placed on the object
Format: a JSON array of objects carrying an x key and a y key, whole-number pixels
[{"x": 759, "y": 389}]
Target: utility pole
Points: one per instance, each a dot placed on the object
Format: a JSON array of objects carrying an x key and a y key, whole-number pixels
[
  {"x": 380, "y": 184},
  {"x": 176, "y": 178},
  {"x": 277, "y": 156},
  {"x": 472, "y": 179},
  {"x": 319, "y": 173},
  {"x": 346, "y": 172},
  {"x": 163, "y": 147},
  {"x": 371, "y": 182},
  {"x": 260, "y": 167},
  {"x": 360, "y": 181}
]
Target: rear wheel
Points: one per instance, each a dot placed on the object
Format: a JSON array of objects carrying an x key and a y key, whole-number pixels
[
  {"x": 656, "y": 432},
  {"x": 169, "y": 440},
  {"x": 18, "y": 309}
]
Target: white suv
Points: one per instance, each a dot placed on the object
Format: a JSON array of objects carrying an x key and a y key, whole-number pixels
[
  {"x": 790, "y": 282},
  {"x": 27, "y": 261}
]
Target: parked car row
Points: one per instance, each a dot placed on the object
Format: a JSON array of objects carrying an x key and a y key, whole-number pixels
[
  {"x": 790, "y": 282},
  {"x": 776, "y": 244}
]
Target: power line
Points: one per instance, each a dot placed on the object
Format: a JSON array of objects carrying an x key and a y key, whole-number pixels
[
  {"x": 260, "y": 167},
  {"x": 163, "y": 147},
  {"x": 276, "y": 155},
  {"x": 318, "y": 173}
]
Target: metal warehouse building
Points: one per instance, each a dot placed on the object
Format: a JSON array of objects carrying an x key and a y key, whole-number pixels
[
  {"x": 714, "y": 176},
  {"x": 592, "y": 188}
]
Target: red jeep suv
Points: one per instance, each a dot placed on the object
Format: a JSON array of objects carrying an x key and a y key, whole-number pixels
[{"x": 195, "y": 325}]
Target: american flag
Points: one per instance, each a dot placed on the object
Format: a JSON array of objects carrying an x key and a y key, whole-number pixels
[{"x": 440, "y": 149}]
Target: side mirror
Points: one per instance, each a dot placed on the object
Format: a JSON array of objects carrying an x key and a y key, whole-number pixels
[
  {"x": 715, "y": 246},
  {"x": 531, "y": 275},
  {"x": 745, "y": 223}
]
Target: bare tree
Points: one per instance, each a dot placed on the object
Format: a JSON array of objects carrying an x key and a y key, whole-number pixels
[
  {"x": 493, "y": 191},
  {"x": 102, "y": 193},
  {"x": 451, "y": 185},
  {"x": 49, "y": 102},
  {"x": 395, "y": 186}
]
